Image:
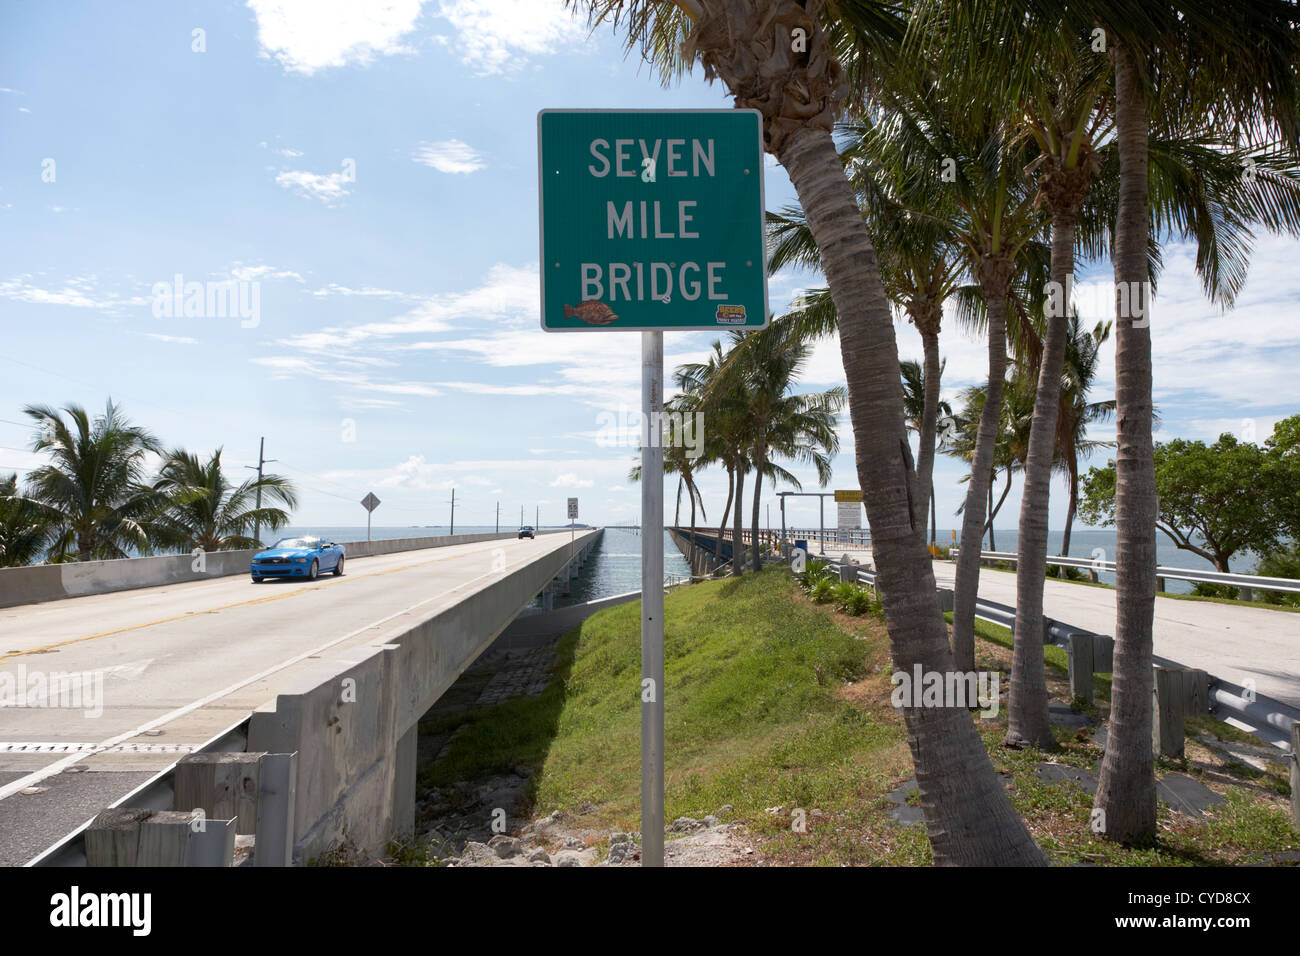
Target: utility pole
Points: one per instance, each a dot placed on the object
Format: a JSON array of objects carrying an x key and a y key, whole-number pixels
[
  {"x": 498, "y": 517},
  {"x": 521, "y": 516},
  {"x": 537, "y": 518},
  {"x": 453, "y": 511},
  {"x": 261, "y": 460}
]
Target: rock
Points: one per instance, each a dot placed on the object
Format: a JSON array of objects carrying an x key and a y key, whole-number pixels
[
  {"x": 574, "y": 858},
  {"x": 685, "y": 825},
  {"x": 573, "y": 843},
  {"x": 616, "y": 837},
  {"x": 476, "y": 853},
  {"x": 587, "y": 808},
  {"x": 710, "y": 821},
  {"x": 539, "y": 856},
  {"x": 724, "y": 810},
  {"x": 505, "y": 846},
  {"x": 775, "y": 811},
  {"x": 622, "y": 852}
]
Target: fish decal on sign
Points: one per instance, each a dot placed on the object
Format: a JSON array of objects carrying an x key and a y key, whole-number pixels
[{"x": 593, "y": 313}]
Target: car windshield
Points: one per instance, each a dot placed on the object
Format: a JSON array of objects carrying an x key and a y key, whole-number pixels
[
  {"x": 526, "y": 527},
  {"x": 297, "y": 543}
]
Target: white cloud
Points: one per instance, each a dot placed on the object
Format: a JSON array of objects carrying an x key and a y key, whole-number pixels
[
  {"x": 310, "y": 35},
  {"x": 334, "y": 288},
  {"x": 329, "y": 188},
  {"x": 495, "y": 35},
  {"x": 177, "y": 339},
  {"x": 249, "y": 273},
  {"x": 570, "y": 480},
  {"x": 449, "y": 156}
]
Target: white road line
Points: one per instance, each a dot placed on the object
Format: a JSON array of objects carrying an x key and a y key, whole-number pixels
[{"x": 22, "y": 783}]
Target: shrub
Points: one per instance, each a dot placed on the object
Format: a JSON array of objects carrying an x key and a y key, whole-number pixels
[
  {"x": 853, "y": 599},
  {"x": 822, "y": 591},
  {"x": 1282, "y": 563}
]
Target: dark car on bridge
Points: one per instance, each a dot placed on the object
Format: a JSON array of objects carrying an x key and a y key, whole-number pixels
[
  {"x": 527, "y": 532},
  {"x": 299, "y": 557}
]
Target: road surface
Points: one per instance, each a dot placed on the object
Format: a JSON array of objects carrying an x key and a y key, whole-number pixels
[{"x": 179, "y": 664}]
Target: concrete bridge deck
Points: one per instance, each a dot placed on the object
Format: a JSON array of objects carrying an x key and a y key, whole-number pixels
[{"x": 181, "y": 663}]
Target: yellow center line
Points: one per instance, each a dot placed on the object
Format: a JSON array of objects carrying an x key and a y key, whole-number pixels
[{"x": 224, "y": 607}]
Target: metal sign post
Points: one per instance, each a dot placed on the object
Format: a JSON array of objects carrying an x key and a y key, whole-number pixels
[
  {"x": 370, "y": 503},
  {"x": 656, "y": 222},
  {"x": 652, "y": 600}
]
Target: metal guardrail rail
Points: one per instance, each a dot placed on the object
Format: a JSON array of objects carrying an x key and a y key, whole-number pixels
[
  {"x": 1249, "y": 581},
  {"x": 1271, "y": 719}
]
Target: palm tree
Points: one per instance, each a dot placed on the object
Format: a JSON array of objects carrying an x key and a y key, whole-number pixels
[
  {"x": 26, "y": 528},
  {"x": 203, "y": 509},
  {"x": 1066, "y": 117},
  {"x": 797, "y": 89},
  {"x": 1237, "y": 63},
  {"x": 725, "y": 435},
  {"x": 921, "y": 409},
  {"x": 963, "y": 169},
  {"x": 94, "y": 487},
  {"x": 1082, "y": 356},
  {"x": 919, "y": 268},
  {"x": 799, "y": 427}
]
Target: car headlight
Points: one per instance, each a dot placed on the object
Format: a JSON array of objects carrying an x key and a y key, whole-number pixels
[{"x": 299, "y": 560}]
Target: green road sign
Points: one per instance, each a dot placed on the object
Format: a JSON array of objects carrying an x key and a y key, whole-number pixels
[{"x": 651, "y": 219}]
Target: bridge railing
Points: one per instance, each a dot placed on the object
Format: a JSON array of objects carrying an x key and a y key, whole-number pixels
[
  {"x": 1246, "y": 582},
  {"x": 1271, "y": 720}
]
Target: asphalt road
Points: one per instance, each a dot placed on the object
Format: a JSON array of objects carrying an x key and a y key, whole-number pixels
[{"x": 179, "y": 664}]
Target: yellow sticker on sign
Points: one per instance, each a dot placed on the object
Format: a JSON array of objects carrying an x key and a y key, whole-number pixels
[{"x": 851, "y": 494}]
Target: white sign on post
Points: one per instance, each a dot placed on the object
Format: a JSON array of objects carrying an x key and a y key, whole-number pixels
[
  {"x": 573, "y": 508},
  {"x": 848, "y": 514}
]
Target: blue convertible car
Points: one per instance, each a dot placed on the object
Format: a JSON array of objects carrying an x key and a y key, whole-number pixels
[{"x": 297, "y": 558}]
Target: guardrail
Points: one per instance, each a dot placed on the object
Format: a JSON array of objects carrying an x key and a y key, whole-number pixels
[
  {"x": 1247, "y": 582},
  {"x": 1271, "y": 720}
]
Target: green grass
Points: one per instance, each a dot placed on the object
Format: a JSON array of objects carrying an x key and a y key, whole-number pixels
[{"x": 773, "y": 701}]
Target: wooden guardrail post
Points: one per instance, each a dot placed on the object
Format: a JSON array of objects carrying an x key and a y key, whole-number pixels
[
  {"x": 1080, "y": 656},
  {"x": 223, "y": 785},
  {"x": 1168, "y": 726},
  {"x": 1197, "y": 692},
  {"x": 124, "y": 836}
]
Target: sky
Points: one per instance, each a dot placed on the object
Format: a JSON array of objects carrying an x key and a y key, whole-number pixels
[{"x": 366, "y": 172}]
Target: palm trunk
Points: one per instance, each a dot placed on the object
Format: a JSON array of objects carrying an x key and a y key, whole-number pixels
[
  {"x": 737, "y": 526},
  {"x": 760, "y": 462},
  {"x": 969, "y": 817},
  {"x": 1027, "y": 723},
  {"x": 929, "y": 418},
  {"x": 690, "y": 551},
  {"x": 1070, "y": 510},
  {"x": 995, "y": 508},
  {"x": 726, "y": 512},
  {"x": 966, "y": 587},
  {"x": 988, "y": 527},
  {"x": 1126, "y": 790},
  {"x": 677, "y": 514}
]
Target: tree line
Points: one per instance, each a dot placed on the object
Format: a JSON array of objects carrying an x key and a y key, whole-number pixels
[
  {"x": 968, "y": 154},
  {"x": 97, "y": 500}
]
